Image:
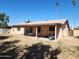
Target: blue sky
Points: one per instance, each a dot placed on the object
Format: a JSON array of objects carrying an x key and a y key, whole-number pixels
[{"x": 36, "y": 10}]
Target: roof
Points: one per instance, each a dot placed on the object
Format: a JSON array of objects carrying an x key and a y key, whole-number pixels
[{"x": 48, "y": 22}]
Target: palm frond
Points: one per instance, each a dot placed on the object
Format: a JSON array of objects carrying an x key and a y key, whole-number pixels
[{"x": 74, "y": 2}]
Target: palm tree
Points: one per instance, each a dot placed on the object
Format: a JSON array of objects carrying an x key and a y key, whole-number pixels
[
  {"x": 74, "y": 2},
  {"x": 4, "y": 19},
  {"x": 57, "y": 4}
]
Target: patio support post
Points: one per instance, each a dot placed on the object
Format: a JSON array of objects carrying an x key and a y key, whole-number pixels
[
  {"x": 55, "y": 31},
  {"x": 36, "y": 32}
]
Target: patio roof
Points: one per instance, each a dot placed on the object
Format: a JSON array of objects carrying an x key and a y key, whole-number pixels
[{"x": 48, "y": 22}]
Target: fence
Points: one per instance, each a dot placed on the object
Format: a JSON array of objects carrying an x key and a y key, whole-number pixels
[{"x": 4, "y": 31}]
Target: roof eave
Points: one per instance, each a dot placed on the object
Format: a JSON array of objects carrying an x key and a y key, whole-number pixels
[{"x": 34, "y": 25}]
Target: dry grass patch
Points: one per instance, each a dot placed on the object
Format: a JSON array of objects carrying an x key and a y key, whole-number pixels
[{"x": 21, "y": 47}]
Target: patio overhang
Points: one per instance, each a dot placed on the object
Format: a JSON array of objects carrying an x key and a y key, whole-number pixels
[
  {"x": 37, "y": 25},
  {"x": 23, "y": 25}
]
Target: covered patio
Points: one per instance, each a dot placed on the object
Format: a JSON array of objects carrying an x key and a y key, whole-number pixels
[
  {"x": 41, "y": 30},
  {"x": 55, "y": 29}
]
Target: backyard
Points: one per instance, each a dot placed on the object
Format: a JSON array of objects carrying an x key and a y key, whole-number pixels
[{"x": 26, "y": 47}]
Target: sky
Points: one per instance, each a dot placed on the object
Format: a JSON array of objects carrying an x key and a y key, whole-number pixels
[{"x": 20, "y": 11}]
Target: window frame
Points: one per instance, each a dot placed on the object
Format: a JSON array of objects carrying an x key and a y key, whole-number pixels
[
  {"x": 18, "y": 28},
  {"x": 52, "y": 28}
]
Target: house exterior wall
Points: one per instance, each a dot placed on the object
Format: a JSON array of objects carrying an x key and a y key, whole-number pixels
[
  {"x": 59, "y": 31},
  {"x": 4, "y": 31},
  {"x": 64, "y": 31},
  {"x": 71, "y": 32},
  {"x": 14, "y": 31},
  {"x": 76, "y": 33},
  {"x": 45, "y": 31}
]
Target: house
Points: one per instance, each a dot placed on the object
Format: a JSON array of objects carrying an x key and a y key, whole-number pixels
[
  {"x": 76, "y": 32},
  {"x": 56, "y": 28}
]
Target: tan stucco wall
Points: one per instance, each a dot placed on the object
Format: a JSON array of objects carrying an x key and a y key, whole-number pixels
[
  {"x": 63, "y": 31},
  {"x": 76, "y": 33},
  {"x": 60, "y": 32},
  {"x": 71, "y": 33},
  {"x": 14, "y": 31}
]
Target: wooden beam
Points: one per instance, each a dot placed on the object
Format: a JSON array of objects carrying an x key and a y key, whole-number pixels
[
  {"x": 36, "y": 32},
  {"x": 55, "y": 31}
]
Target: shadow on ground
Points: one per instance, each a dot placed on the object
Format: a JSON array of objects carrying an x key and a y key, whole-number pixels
[
  {"x": 4, "y": 37},
  {"x": 77, "y": 37},
  {"x": 8, "y": 49},
  {"x": 40, "y": 51},
  {"x": 36, "y": 51}
]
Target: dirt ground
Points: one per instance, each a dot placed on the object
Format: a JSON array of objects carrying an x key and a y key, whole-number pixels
[
  {"x": 32, "y": 40},
  {"x": 26, "y": 47}
]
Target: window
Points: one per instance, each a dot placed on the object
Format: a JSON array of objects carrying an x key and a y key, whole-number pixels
[
  {"x": 51, "y": 28},
  {"x": 18, "y": 28},
  {"x": 30, "y": 30},
  {"x": 39, "y": 29}
]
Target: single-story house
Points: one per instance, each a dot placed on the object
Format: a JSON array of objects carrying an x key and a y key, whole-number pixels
[{"x": 56, "y": 28}]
